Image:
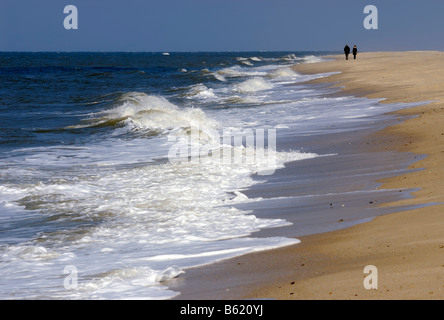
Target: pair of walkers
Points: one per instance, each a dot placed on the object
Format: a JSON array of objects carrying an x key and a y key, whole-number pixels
[{"x": 347, "y": 51}]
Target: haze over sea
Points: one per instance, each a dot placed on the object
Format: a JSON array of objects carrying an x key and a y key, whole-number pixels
[{"x": 91, "y": 205}]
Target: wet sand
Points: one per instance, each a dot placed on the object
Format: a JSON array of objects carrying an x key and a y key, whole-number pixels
[{"x": 406, "y": 246}]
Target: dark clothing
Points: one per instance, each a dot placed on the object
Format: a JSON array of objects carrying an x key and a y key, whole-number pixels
[
  {"x": 355, "y": 52},
  {"x": 346, "y": 51}
]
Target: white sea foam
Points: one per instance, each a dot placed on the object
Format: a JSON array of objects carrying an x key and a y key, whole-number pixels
[
  {"x": 149, "y": 222},
  {"x": 142, "y": 111},
  {"x": 161, "y": 218},
  {"x": 200, "y": 91},
  {"x": 313, "y": 59},
  {"x": 219, "y": 76},
  {"x": 253, "y": 85},
  {"x": 291, "y": 57},
  {"x": 284, "y": 72},
  {"x": 238, "y": 71}
]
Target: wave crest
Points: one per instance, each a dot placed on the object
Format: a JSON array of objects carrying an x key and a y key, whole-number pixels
[
  {"x": 139, "y": 111},
  {"x": 253, "y": 85}
]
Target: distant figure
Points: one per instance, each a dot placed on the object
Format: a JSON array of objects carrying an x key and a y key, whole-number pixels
[
  {"x": 346, "y": 51},
  {"x": 355, "y": 51}
]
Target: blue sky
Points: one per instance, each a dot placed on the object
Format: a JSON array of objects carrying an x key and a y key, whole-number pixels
[{"x": 220, "y": 25}]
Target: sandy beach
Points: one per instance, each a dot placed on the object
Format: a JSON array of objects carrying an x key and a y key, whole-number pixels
[{"x": 406, "y": 247}]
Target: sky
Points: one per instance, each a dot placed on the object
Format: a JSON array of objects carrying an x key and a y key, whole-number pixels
[{"x": 220, "y": 25}]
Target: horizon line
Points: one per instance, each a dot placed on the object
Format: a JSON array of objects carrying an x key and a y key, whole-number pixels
[{"x": 165, "y": 51}]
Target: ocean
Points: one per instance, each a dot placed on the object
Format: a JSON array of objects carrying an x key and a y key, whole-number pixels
[{"x": 118, "y": 171}]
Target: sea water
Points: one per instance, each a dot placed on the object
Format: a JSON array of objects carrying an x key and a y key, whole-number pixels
[{"x": 92, "y": 203}]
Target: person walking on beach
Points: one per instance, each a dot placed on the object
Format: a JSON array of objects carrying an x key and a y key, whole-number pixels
[
  {"x": 355, "y": 51},
  {"x": 346, "y": 51}
]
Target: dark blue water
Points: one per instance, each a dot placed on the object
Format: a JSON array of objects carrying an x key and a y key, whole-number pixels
[
  {"x": 41, "y": 93},
  {"x": 85, "y": 182}
]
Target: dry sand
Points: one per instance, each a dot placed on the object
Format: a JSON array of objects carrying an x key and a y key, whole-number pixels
[{"x": 406, "y": 247}]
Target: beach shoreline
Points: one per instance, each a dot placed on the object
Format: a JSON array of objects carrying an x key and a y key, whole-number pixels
[{"x": 406, "y": 246}]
